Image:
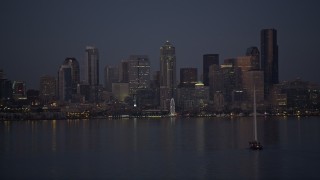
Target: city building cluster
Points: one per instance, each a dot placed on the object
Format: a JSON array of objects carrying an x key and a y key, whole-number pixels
[{"x": 131, "y": 89}]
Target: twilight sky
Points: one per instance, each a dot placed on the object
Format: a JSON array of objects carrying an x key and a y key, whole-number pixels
[{"x": 36, "y": 36}]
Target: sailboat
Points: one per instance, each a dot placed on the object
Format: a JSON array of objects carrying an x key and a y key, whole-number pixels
[{"x": 255, "y": 144}]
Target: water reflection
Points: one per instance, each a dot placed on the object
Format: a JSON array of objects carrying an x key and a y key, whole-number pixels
[{"x": 163, "y": 148}]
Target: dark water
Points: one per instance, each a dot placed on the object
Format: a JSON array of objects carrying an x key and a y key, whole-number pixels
[{"x": 195, "y": 148}]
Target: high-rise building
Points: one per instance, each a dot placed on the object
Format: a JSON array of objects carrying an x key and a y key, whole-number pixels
[
  {"x": 255, "y": 56},
  {"x": 1, "y": 74},
  {"x": 124, "y": 71},
  {"x": 47, "y": 89},
  {"x": 5, "y": 87},
  {"x": 111, "y": 75},
  {"x": 188, "y": 77},
  {"x": 269, "y": 58},
  {"x": 208, "y": 60},
  {"x": 224, "y": 79},
  {"x": 19, "y": 91},
  {"x": 91, "y": 66},
  {"x": 65, "y": 83},
  {"x": 139, "y": 73},
  {"x": 75, "y": 72},
  {"x": 253, "y": 79},
  {"x": 245, "y": 63},
  {"x": 168, "y": 84}
]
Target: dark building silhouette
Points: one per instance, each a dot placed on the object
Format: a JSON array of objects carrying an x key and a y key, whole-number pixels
[
  {"x": 91, "y": 66},
  {"x": 75, "y": 72},
  {"x": 124, "y": 71},
  {"x": 188, "y": 77},
  {"x": 269, "y": 58},
  {"x": 208, "y": 60},
  {"x": 111, "y": 75},
  {"x": 47, "y": 89}
]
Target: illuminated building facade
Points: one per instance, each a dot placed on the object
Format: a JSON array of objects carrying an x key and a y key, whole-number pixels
[{"x": 139, "y": 73}]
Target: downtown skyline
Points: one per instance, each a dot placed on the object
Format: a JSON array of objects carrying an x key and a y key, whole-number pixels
[{"x": 44, "y": 38}]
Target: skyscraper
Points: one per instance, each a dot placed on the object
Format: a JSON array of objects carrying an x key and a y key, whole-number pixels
[
  {"x": 65, "y": 83},
  {"x": 91, "y": 66},
  {"x": 19, "y": 91},
  {"x": 124, "y": 71},
  {"x": 188, "y": 77},
  {"x": 168, "y": 82},
  {"x": 75, "y": 72},
  {"x": 111, "y": 75},
  {"x": 269, "y": 58},
  {"x": 139, "y": 73},
  {"x": 208, "y": 60},
  {"x": 47, "y": 88}
]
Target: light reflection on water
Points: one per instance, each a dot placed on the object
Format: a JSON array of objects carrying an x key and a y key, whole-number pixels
[{"x": 160, "y": 148}]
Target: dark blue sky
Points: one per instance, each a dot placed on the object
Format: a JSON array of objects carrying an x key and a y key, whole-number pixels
[{"x": 36, "y": 36}]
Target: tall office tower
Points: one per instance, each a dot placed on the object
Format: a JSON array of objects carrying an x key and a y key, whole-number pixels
[
  {"x": 75, "y": 72},
  {"x": 124, "y": 71},
  {"x": 111, "y": 75},
  {"x": 65, "y": 83},
  {"x": 47, "y": 89},
  {"x": 208, "y": 60},
  {"x": 269, "y": 58},
  {"x": 139, "y": 73},
  {"x": 168, "y": 82},
  {"x": 91, "y": 66},
  {"x": 188, "y": 77}
]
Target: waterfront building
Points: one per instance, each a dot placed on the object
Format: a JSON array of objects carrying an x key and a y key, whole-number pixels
[
  {"x": 47, "y": 91},
  {"x": 5, "y": 87},
  {"x": 91, "y": 72},
  {"x": 269, "y": 58},
  {"x": 65, "y": 83},
  {"x": 168, "y": 84},
  {"x": 19, "y": 91},
  {"x": 208, "y": 60}
]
